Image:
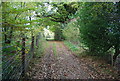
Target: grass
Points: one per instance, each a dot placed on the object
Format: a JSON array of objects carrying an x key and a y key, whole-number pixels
[
  {"x": 79, "y": 51},
  {"x": 71, "y": 46}
]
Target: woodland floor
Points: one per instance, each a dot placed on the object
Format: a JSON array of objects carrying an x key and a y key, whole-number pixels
[{"x": 58, "y": 62}]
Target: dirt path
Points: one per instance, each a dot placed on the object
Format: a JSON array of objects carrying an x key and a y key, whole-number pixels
[{"x": 59, "y": 63}]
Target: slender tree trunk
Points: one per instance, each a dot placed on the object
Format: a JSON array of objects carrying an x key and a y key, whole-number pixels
[
  {"x": 117, "y": 52},
  {"x": 5, "y": 38},
  {"x": 32, "y": 42},
  {"x": 37, "y": 40},
  {"x": 5, "y": 30},
  {"x": 23, "y": 56},
  {"x": 32, "y": 46}
]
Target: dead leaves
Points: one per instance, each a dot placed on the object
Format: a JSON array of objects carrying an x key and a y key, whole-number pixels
[{"x": 67, "y": 66}]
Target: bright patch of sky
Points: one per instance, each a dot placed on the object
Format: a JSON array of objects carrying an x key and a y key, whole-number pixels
[
  {"x": 48, "y": 27},
  {"x": 32, "y": 16},
  {"x": 27, "y": 28},
  {"x": 48, "y": 7},
  {"x": 27, "y": 24}
]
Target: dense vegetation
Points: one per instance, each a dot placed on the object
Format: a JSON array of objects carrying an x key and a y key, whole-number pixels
[
  {"x": 94, "y": 25},
  {"x": 99, "y": 28}
]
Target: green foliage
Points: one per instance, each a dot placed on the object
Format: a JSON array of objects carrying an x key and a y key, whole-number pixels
[
  {"x": 64, "y": 11},
  {"x": 71, "y": 32},
  {"x": 93, "y": 22},
  {"x": 98, "y": 25}
]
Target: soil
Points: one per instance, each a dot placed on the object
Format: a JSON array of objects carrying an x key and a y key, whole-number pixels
[{"x": 58, "y": 62}]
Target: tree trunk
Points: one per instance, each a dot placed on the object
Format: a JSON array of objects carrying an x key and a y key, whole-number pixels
[
  {"x": 5, "y": 30},
  {"x": 23, "y": 56},
  {"x": 117, "y": 52},
  {"x": 32, "y": 42},
  {"x": 32, "y": 46},
  {"x": 5, "y": 38},
  {"x": 37, "y": 40}
]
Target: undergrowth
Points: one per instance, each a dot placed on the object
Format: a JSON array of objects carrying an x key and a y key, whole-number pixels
[
  {"x": 71, "y": 46},
  {"x": 40, "y": 48},
  {"x": 94, "y": 61}
]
